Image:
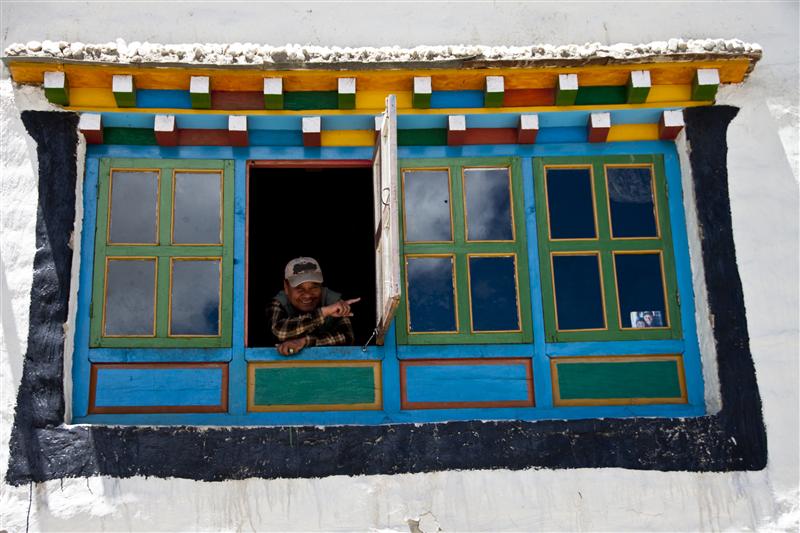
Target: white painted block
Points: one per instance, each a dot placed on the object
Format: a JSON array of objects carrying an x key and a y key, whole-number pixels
[
  {"x": 495, "y": 84},
  {"x": 237, "y": 123},
  {"x": 347, "y": 86},
  {"x": 122, "y": 83},
  {"x": 640, "y": 78},
  {"x": 164, "y": 123},
  {"x": 199, "y": 84},
  {"x": 529, "y": 122},
  {"x": 273, "y": 85},
  {"x": 457, "y": 122},
  {"x": 54, "y": 80},
  {"x": 568, "y": 82},
  {"x": 312, "y": 124},
  {"x": 707, "y": 76},
  {"x": 673, "y": 118},
  {"x": 600, "y": 120},
  {"x": 422, "y": 85},
  {"x": 379, "y": 122},
  {"x": 90, "y": 122}
]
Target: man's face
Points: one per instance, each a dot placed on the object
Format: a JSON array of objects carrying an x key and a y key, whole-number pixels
[
  {"x": 305, "y": 297},
  {"x": 648, "y": 318}
]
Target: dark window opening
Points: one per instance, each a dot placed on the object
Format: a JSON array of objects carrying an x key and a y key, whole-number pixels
[{"x": 324, "y": 213}]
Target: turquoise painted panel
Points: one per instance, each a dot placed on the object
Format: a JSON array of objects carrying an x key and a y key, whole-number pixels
[
  {"x": 122, "y": 387},
  {"x": 467, "y": 383}
]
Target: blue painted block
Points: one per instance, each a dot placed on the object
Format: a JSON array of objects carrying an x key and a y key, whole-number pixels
[{"x": 464, "y": 383}]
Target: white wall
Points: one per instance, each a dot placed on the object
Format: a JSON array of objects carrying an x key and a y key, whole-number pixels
[{"x": 763, "y": 171}]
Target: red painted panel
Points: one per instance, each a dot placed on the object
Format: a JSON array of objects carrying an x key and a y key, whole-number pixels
[
  {"x": 237, "y": 100},
  {"x": 167, "y": 138},
  {"x": 93, "y": 136},
  {"x": 491, "y": 136},
  {"x": 598, "y": 135},
  {"x": 312, "y": 139},
  {"x": 203, "y": 138},
  {"x": 529, "y": 97}
]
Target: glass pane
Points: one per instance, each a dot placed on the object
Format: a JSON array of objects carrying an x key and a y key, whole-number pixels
[
  {"x": 579, "y": 298},
  {"x": 130, "y": 297},
  {"x": 426, "y": 205},
  {"x": 488, "y": 192},
  {"x": 493, "y": 289},
  {"x": 431, "y": 294},
  {"x": 570, "y": 203},
  {"x": 195, "y": 297},
  {"x": 134, "y": 207},
  {"x": 198, "y": 208},
  {"x": 641, "y": 290},
  {"x": 630, "y": 195}
]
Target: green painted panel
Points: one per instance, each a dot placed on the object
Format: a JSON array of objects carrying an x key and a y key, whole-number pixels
[
  {"x": 634, "y": 379},
  {"x": 297, "y": 100},
  {"x": 314, "y": 385},
  {"x": 421, "y": 100},
  {"x": 603, "y": 95},
  {"x": 135, "y": 136},
  {"x": 428, "y": 137}
]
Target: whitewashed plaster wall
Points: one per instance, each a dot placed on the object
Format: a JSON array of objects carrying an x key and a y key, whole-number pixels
[{"x": 763, "y": 173}]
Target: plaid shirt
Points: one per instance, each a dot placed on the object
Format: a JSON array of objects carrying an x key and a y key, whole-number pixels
[{"x": 319, "y": 331}]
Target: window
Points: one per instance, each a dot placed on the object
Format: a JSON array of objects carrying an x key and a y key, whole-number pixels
[
  {"x": 163, "y": 254},
  {"x": 464, "y": 261},
  {"x": 605, "y": 249}
]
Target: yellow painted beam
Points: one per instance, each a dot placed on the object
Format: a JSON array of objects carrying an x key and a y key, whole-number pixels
[
  {"x": 348, "y": 138},
  {"x": 93, "y": 98},
  {"x": 377, "y": 99},
  {"x": 151, "y": 77},
  {"x": 669, "y": 93},
  {"x": 633, "y": 132}
]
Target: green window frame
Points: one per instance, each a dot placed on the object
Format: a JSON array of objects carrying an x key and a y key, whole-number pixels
[
  {"x": 163, "y": 253},
  {"x": 462, "y": 250},
  {"x": 606, "y": 247}
]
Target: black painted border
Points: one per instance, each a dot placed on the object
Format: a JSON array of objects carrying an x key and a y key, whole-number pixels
[{"x": 42, "y": 448}]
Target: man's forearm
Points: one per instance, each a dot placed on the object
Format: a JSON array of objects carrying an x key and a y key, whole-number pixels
[{"x": 289, "y": 328}]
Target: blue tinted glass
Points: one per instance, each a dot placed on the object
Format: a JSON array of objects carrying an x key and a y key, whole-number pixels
[
  {"x": 641, "y": 290},
  {"x": 195, "y": 297},
  {"x": 488, "y": 192},
  {"x": 197, "y": 216},
  {"x": 579, "y": 298},
  {"x": 431, "y": 298},
  {"x": 493, "y": 289},
  {"x": 134, "y": 206},
  {"x": 569, "y": 198},
  {"x": 130, "y": 297},
  {"x": 426, "y": 205},
  {"x": 630, "y": 195}
]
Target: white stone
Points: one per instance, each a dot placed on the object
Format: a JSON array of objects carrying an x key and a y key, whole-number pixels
[
  {"x": 422, "y": 85},
  {"x": 90, "y": 122},
  {"x": 568, "y": 82},
  {"x": 54, "y": 80},
  {"x": 600, "y": 120},
  {"x": 529, "y": 122},
  {"x": 495, "y": 84},
  {"x": 164, "y": 123},
  {"x": 707, "y": 76},
  {"x": 122, "y": 83},
  {"x": 457, "y": 122},
  {"x": 273, "y": 85},
  {"x": 673, "y": 118},
  {"x": 199, "y": 85},
  {"x": 640, "y": 78},
  {"x": 347, "y": 85},
  {"x": 237, "y": 123},
  {"x": 312, "y": 124}
]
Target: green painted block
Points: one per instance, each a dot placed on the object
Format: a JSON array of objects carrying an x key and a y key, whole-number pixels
[
  {"x": 201, "y": 100},
  {"x": 273, "y": 101},
  {"x": 301, "y": 100},
  {"x": 566, "y": 97},
  {"x": 703, "y": 92},
  {"x": 347, "y": 101},
  {"x": 314, "y": 385},
  {"x": 422, "y": 137},
  {"x": 59, "y": 96},
  {"x": 634, "y": 379},
  {"x": 136, "y": 136},
  {"x": 636, "y": 95},
  {"x": 421, "y": 100},
  {"x": 493, "y": 99},
  {"x": 603, "y": 95},
  {"x": 125, "y": 99}
]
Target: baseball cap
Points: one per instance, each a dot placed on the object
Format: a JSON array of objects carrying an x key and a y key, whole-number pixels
[{"x": 302, "y": 269}]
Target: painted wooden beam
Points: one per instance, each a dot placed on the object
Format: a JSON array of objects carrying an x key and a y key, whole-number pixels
[
  {"x": 200, "y": 92},
  {"x": 124, "y": 90},
  {"x": 237, "y": 130},
  {"x": 273, "y": 93},
  {"x": 312, "y": 131},
  {"x": 165, "y": 131},
  {"x": 347, "y": 93},
  {"x": 421, "y": 98},
  {"x": 599, "y": 126},
  {"x": 705, "y": 84},
  {"x": 567, "y": 89},
  {"x": 91, "y": 125},
  {"x": 456, "y": 129},
  {"x": 638, "y": 87},
  {"x": 670, "y": 124},
  {"x": 528, "y": 129},
  {"x": 56, "y": 88},
  {"x": 494, "y": 94}
]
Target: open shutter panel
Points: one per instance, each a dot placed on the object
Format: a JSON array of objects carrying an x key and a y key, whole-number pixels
[{"x": 387, "y": 252}]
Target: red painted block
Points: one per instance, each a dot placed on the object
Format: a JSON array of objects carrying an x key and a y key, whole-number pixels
[
  {"x": 670, "y": 125},
  {"x": 312, "y": 131},
  {"x": 456, "y": 130},
  {"x": 237, "y": 130},
  {"x": 91, "y": 125},
  {"x": 528, "y": 129},
  {"x": 165, "y": 130},
  {"x": 599, "y": 126}
]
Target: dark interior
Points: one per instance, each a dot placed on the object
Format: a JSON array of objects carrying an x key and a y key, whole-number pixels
[{"x": 324, "y": 213}]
